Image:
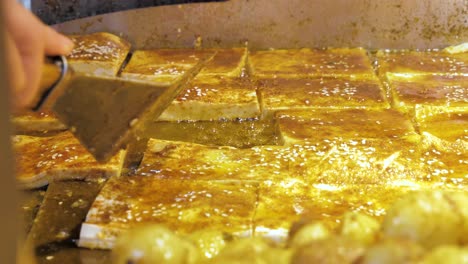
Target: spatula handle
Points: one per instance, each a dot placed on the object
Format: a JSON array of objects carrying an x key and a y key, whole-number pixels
[{"x": 52, "y": 72}]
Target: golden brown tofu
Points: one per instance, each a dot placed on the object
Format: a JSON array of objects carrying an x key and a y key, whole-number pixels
[
  {"x": 59, "y": 157},
  {"x": 362, "y": 161},
  {"x": 445, "y": 144},
  {"x": 44, "y": 121},
  {"x": 277, "y": 63},
  {"x": 300, "y": 126},
  {"x": 183, "y": 206},
  {"x": 451, "y": 168},
  {"x": 301, "y": 63},
  {"x": 326, "y": 92},
  {"x": 214, "y": 98},
  {"x": 447, "y": 164},
  {"x": 435, "y": 91},
  {"x": 189, "y": 161},
  {"x": 422, "y": 62},
  {"x": 446, "y": 124},
  {"x": 226, "y": 62},
  {"x": 329, "y": 162},
  {"x": 283, "y": 203},
  {"x": 99, "y": 53},
  {"x": 163, "y": 66}
]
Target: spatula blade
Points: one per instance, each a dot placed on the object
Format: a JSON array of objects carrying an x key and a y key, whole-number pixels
[{"x": 104, "y": 112}]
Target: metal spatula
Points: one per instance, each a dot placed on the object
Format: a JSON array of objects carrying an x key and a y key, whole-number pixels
[{"x": 102, "y": 112}]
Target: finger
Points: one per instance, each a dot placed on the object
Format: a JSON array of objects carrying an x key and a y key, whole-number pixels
[
  {"x": 31, "y": 57},
  {"x": 31, "y": 37},
  {"x": 28, "y": 34},
  {"x": 55, "y": 43},
  {"x": 32, "y": 63},
  {"x": 15, "y": 71}
]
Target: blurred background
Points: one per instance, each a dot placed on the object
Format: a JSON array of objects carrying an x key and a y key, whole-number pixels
[{"x": 57, "y": 11}]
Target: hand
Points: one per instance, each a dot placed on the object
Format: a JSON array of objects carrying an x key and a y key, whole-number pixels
[{"x": 28, "y": 40}]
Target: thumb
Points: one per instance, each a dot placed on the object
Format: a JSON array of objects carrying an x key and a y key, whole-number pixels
[
  {"x": 16, "y": 74},
  {"x": 55, "y": 43}
]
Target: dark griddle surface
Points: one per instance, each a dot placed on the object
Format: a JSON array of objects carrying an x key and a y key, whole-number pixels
[{"x": 57, "y": 11}]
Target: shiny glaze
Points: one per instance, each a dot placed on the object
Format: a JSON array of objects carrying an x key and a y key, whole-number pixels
[
  {"x": 311, "y": 62},
  {"x": 446, "y": 126},
  {"x": 188, "y": 161},
  {"x": 151, "y": 63},
  {"x": 366, "y": 161},
  {"x": 447, "y": 165},
  {"x": 363, "y": 161},
  {"x": 219, "y": 89},
  {"x": 283, "y": 203},
  {"x": 229, "y": 62},
  {"x": 324, "y": 92},
  {"x": 318, "y": 125},
  {"x": 445, "y": 140},
  {"x": 184, "y": 206},
  {"x": 58, "y": 156},
  {"x": 419, "y": 62},
  {"x": 98, "y": 47},
  {"x": 449, "y": 91},
  {"x": 214, "y": 98}
]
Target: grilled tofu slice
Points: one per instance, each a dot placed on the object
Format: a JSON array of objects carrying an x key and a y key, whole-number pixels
[
  {"x": 227, "y": 62},
  {"x": 214, "y": 94},
  {"x": 31, "y": 122},
  {"x": 163, "y": 66},
  {"x": 283, "y": 203},
  {"x": 189, "y": 161},
  {"x": 358, "y": 162},
  {"x": 330, "y": 162},
  {"x": 301, "y": 126},
  {"x": 411, "y": 63},
  {"x": 99, "y": 53},
  {"x": 302, "y": 63},
  {"x": 183, "y": 206},
  {"x": 447, "y": 91},
  {"x": 446, "y": 162},
  {"x": 325, "y": 92},
  {"x": 214, "y": 98},
  {"x": 445, "y": 142},
  {"x": 40, "y": 160},
  {"x": 446, "y": 124},
  {"x": 282, "y": 63}
]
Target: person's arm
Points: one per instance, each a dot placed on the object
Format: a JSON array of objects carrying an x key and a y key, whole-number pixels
[{"x": 28, "y": 40}]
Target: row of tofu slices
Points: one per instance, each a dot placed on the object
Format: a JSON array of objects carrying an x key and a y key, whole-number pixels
[{"x": 357, "y": 130}]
